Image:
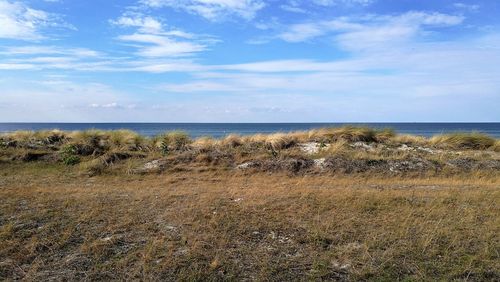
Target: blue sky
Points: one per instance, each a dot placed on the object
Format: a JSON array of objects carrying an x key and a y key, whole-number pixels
[{"x": 249, "y": 60}]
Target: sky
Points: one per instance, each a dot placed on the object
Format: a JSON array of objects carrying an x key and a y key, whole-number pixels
[{"x": 249, "y": 61}]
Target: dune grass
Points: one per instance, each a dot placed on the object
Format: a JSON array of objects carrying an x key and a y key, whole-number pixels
[
  {"x": 127, "y": 140},
  {"x": 96, "y": 150},
  {"x": 496, "y": 146},
  {"x": 172, "y": 141},
  {"x": 473, "y": 140}
]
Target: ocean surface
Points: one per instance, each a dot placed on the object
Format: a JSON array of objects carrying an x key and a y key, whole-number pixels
[{"x": 222, "y": 129}]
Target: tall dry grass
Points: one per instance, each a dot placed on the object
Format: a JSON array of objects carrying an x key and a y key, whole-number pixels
[
  {"x": 75, "y": 147},
  {"x": 472, "y": 140}
]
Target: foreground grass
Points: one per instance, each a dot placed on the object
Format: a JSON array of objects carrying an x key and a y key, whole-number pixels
[{"x": 225, "y": 225}]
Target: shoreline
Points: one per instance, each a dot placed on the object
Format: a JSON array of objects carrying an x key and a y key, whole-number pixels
[{"x": 218, "y": 130}]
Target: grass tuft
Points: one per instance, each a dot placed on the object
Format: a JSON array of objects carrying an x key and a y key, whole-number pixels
[
  {"x": 496, "y": 146},
  {"x": 232, "y": 141},
  {"x": 459, "y": 140},
  {"x": 127, "y": 140},
  {"x": 280, "y": 141},
  {"x": 204, "y": 144},
  {"x": 172, "y": 141}
]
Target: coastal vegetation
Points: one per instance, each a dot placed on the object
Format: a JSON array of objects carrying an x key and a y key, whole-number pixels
[
  {"x": 345, "y": 204},
  {"x": 329, "y": 150}
]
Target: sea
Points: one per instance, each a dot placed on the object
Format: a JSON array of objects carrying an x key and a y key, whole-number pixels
[{"x": 222, "y": 129}]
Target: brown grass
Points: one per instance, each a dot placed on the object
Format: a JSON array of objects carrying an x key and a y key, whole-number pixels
[
  {"x": 496, "y": 146},
  {"x": 56, "y": 225},
  {"x": 472, "y": 140},
  {"x": 460, "y": 151}
]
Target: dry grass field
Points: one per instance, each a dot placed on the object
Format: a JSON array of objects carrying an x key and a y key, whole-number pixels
[
  {"x": 56, "y": 224},
  {"x": 344, "y": 204}
]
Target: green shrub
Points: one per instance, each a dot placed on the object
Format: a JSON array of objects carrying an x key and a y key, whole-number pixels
[
  {"x": 71, "y": 160},
  {"x": 69, "y": 155}
]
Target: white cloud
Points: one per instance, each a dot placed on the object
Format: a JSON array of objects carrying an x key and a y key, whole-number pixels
[
  {"x": 19, "y": 21},
  {"x": 152, "y": 40},
  {"x": 294, "y": 7},
  {"x": 49, "y": 50},
  {"x": 407, "y": 82},
  {"x": 212, "y": 9},
  {"x": 371, "y": 30},
  {"x": 401, "y": 75},
  {"x": 16, "y": 66},
  {"x": 469, "y": 7},
  {"x": 345, "y": 2},
  {"x": 144, "y": 24},
  {"x": 302, "y": 32},
  {"x": 112, "y": 105},
  {"x": 162, "y": 46},
  {"x": 155, "y": 66},
  {"x": 39, "y": 57}
]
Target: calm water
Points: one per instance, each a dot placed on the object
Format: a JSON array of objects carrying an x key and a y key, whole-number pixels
[{"x": 221, "y": 129}]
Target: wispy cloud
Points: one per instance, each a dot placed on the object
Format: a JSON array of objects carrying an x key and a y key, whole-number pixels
[
  {"x": 154, "y": 40},
  {"x": 161, "y": 46},
  {"x": 113, "y": 105},
  {"x": 468, "y": 7},
  {"x": 49, "y": 50},
  {"x": 399, "y": 72},
  {"x": 145, "y": 24},
  {"x": 19, "y": 21},
  {"x": 39, "y": 57},
  {"x": 212, "y": 9},
  {"x": 344, "y": 2},
  {"x": 293, "y": 6},
  {"x": 370, "y": 30}
]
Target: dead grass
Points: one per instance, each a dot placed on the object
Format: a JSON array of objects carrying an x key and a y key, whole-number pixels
[
  {"x": 409, "y": 139},
  {"x": 496, "y": 146},
  {"x": 127, "y": 140},
  {"x": 56, "y": 225},
  {"x": 472, "y": 140},
  {"x": 232, "y": 141},
  {"x": 204, "y": 144},
  {"x": 88, "y": 149}
]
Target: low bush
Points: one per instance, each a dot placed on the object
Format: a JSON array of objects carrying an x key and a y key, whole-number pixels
[
  {"x": 69, "y": 155},
  {"x": 71, "y": 160}
]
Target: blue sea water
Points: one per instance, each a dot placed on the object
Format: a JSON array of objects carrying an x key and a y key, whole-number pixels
[{"x": 222, "y": 129}]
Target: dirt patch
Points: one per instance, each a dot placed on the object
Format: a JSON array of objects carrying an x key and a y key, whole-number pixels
[
  {"x": 468, "y": 164},
  {"x": 31, "y": 156}
]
